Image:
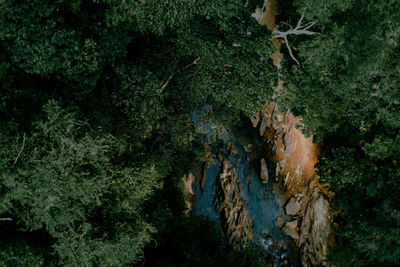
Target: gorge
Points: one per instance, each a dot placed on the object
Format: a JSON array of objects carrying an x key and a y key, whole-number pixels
[
  {"x": 200, "y": 133},
  {"x": 266, "y": 192}
]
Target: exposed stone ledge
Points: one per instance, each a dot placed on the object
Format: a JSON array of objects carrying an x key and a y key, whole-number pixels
[{"x": 235, "y": 219}]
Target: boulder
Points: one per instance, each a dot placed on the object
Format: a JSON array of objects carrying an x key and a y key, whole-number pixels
[
  {"x": 232, "y": 149},
  {"x": 248, "y": 147},
  {"x": 279, "y": 221},
  {"x": 277, "y": 118},
  {"x": 264, "y": 172},
  {"x": 290, "y": 229},
  {"x": 204, "y": 175},
  {"x": 255, "y": 119},
  {"x": 293, "y": 207},
  {"x": 263, "y": 126}
]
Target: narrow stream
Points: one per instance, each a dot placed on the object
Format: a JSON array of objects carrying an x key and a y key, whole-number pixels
[{"x": 265, "y": 202}]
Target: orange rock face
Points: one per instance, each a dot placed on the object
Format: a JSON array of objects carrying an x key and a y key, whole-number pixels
[
  {"x": 294, "y": 154},
  {"x": 295, "y": 157}
]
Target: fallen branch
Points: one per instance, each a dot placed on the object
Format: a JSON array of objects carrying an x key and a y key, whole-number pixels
[
  {"x": 164, "y": 84},
  {"x": 298, "y": 30},
  {"x": 22, "y": 149}
]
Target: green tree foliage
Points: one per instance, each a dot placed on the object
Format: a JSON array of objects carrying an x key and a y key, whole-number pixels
[
  {"x": 347, "y": 92},
  {"x": 16, "y": 252},
  {"x": 152, "y": 16},
  {"x": 60, "y": 177},
  {"x": 24, "y": 248},
  {"x": 126, "y": 77},
  {"x": 353, "y": 61},
  {"x": 215, "y": 52},
  {"x": 369, "y": 222},
  {"x": 64, "y": 40},
  {"x": 87, "y": 172},
  {"x": 232, "y": 54}
]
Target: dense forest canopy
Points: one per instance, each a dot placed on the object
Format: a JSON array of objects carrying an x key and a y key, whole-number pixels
[{"x": 96, "y": 104}]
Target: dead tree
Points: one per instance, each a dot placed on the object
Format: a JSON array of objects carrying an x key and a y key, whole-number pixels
[{"x": 299, "y": 30}]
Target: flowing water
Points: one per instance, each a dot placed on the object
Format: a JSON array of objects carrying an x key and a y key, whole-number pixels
[{"x": 265, "y": 202}]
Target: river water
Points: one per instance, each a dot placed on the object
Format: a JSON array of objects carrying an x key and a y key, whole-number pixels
[{"x": 265, "y": 201}]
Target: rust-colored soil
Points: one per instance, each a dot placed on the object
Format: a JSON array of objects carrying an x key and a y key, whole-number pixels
[
  {"x": 272, "y": 10},
  {"x": 300, "y": 159},
  {"x": 268, "y": 19}
]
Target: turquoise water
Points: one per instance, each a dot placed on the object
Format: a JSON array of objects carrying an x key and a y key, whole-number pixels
[
  {"x": 205, "y": 199},
  {"x": 262, "y": 206}
]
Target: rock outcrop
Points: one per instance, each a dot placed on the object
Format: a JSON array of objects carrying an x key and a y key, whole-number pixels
[
  {"x": 255, "y": 119},
  {"x": 290, "y": 229},
  {"x": 186, "y": 187},
  {"x": 315, "y": 228},
  {"x": 264, "y": 172},
  {"x": 293, "y": 207},
  {"x": 306, "y": 200},
  {"x": 235, "y": 219},
  {"x": 264, "y": 124},
  {"x": 295, "y": 157}
]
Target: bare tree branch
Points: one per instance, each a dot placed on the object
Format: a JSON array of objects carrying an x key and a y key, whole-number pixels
[
  {"x": 22, "y": 149},
  {"x": 164, "y": 84},
  {"x": 298, "y": 30},
  {"x": 290, "y": 51}
]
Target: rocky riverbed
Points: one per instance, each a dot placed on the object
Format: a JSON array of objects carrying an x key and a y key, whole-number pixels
[
  {"x": 265, "y": 192},
  {"x": 271, "y": 197},
  {"x": 237, "y": 188}
]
